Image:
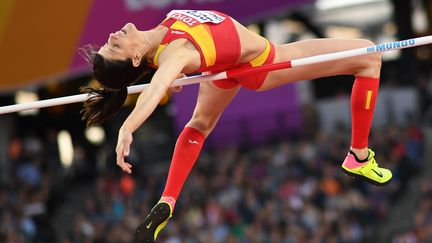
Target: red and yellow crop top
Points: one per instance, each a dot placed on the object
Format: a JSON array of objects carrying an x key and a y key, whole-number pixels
[{"x": 213, "y": 34}]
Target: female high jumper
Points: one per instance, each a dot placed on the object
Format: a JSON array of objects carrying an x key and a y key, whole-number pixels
[{"x": 193, "y": 41}]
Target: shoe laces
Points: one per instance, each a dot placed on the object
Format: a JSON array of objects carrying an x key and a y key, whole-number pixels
[
  {"x": 371, "y": 154},
  {"x": 371, "y": 157}
]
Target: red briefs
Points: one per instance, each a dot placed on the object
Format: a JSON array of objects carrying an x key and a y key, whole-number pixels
[
  {"x": 216, "y": 38},
  {"x": 252, "y": 81}
]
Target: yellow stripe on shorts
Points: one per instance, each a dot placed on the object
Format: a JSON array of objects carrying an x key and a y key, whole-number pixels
[{"x": 261, "y": 58}]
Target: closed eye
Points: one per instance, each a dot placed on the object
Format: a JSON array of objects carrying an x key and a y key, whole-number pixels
[{"x": 115, "y": 45}]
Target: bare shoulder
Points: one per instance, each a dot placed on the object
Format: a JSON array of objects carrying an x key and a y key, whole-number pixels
[{"x": 182, "y": 52}]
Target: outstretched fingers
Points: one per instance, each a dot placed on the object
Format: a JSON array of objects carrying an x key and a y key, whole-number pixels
[
  {"x": 125, "y": 166},
  {"x": 122, "y": 151}
]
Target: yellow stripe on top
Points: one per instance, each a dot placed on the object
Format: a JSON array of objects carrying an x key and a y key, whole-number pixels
[
  {"x": 261, "y": 58},
  {"x": 156, "y": 56},
  {"x": 203, "y": 38},
  {"x": 368, "y": 99}
]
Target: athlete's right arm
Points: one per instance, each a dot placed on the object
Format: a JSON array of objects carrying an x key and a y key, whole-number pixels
[
  {"x": 178, "y": 89},
  {"x": 179, "y": 56},
  {"x": 150, "y": 98},
  {"x": 147, "y": 102}
]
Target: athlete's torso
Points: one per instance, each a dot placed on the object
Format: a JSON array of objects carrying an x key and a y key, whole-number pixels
[{"x": 213, "y": 34}]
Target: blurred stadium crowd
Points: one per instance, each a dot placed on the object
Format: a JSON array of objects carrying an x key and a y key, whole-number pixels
[{"x": 286, "y": 191}]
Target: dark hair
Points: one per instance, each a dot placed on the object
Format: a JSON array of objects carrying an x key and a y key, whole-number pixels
[{"x": 114, "y": 77}]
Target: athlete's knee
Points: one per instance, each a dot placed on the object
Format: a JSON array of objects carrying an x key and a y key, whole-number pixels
[
  {"x": 370, "y": 64},
  {"x": 204, "y": 124},
  {"x": 374, "y": 58}
]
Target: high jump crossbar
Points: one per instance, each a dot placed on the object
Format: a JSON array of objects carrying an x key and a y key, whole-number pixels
[{"x": 390, "y": 46}]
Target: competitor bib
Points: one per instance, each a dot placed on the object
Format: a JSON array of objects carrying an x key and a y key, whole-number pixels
[{"x": 194, "y": 17}]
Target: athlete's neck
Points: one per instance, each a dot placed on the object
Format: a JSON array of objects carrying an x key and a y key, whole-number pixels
[{"x": 152, "y": 39}]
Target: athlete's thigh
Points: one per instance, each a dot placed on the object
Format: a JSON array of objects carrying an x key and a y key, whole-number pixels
[
  {"x": 211, "y": 102},
  {"x": 314, "y": 47}
]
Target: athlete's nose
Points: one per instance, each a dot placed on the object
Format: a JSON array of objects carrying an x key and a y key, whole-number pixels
[
  {"x": 114, "y": 35},
  {"x": 128, "y": 26}
]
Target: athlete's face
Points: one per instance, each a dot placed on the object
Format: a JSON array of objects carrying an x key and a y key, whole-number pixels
[{"x": 122, "y": 44}]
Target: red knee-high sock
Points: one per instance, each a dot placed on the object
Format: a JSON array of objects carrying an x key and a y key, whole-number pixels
[
  {"x": 187, "y": 149},
  {"x": 363, "y": 98}
]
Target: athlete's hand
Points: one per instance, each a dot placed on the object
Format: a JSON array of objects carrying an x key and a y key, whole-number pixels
[
  {"x": 123, "y": 148},
  {"x": 176, "y": 89}
]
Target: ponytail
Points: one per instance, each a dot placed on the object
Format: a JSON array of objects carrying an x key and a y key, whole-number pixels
[
  {"x": 114, "y": 77},
  {"x": 102, "y": 104}
]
